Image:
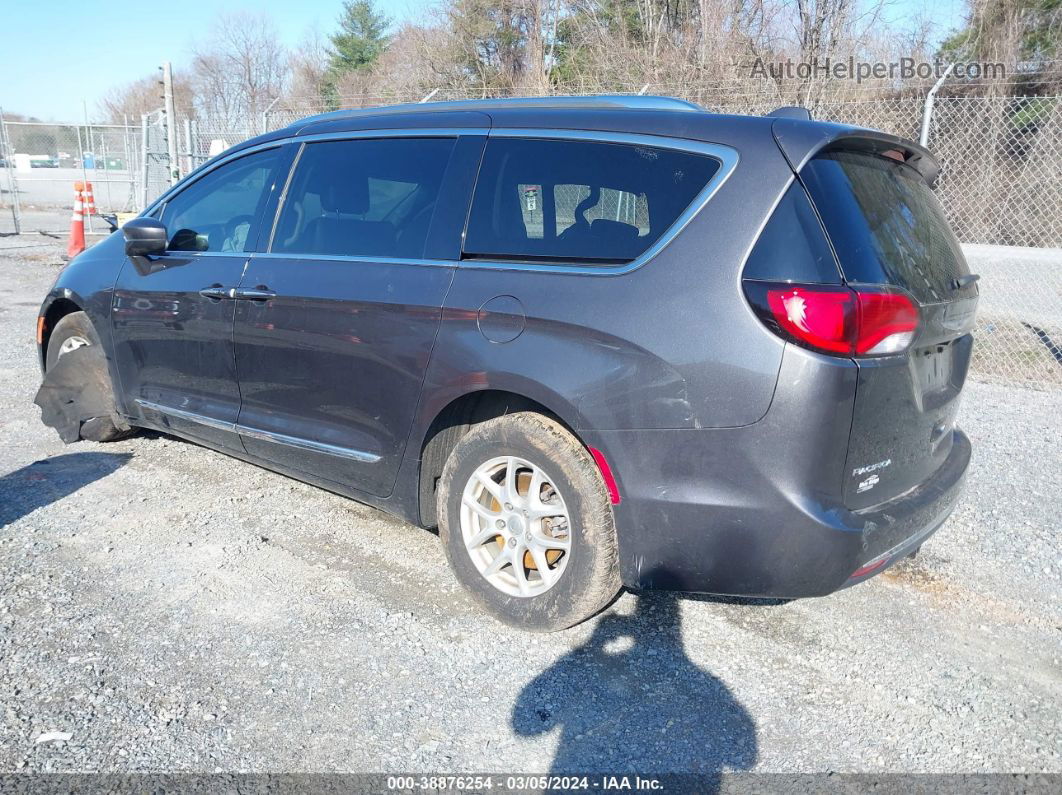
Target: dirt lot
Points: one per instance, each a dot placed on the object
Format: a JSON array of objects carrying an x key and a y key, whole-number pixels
[{"x": 173, "y": 609}]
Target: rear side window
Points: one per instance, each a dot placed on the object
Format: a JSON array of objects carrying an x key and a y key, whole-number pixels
[
  {"x": 792, "y": 246},
  {"x": 220, "y": 211},
  {"x": 579, "y": 201},
  {"x": 886, "y": 224},
  {"x": 370, "y": 198}
]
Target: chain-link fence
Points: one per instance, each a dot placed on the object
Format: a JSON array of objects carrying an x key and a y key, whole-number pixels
[
  {"x": 1019, "y": 318},
  {"x": 127, "y": 164},
  {"x": 1002, "y": 168},
  {"x": 1000, "y": 184},
  {"x": 1001, "y": 181},
  {"x": 42, "y": 162},
  {"x": 1001, "y": 157}
]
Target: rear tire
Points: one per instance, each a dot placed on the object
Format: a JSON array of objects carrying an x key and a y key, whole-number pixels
[
  {"x": 559, "y": 521},
  {"x": 71, "y": 332}
]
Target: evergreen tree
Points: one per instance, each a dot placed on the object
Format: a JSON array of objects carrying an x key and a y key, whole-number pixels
[{"x": 362, "y": 37}]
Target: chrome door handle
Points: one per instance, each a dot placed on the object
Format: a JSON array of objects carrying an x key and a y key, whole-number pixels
[
  {"x": 260, "y": 293},
  {"x": 216, "y": 292}
]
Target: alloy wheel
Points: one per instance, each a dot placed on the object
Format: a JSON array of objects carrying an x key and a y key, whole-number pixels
[{"x": 515, "y": 526}]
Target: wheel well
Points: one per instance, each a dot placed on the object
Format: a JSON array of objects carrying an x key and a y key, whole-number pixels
[
  {"x": 59, "y": 308},
  {"x": 452, "y": 423}
]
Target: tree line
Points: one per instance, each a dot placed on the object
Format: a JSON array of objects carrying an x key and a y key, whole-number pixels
[{"x": 469, "y": 48}]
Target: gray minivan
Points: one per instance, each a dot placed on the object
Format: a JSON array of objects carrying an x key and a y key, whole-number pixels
[{"x": 596, "y": 341}]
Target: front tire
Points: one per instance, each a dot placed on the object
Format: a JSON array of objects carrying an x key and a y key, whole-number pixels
[
  {"x": 75, "y": 331},
  {"x": 526, "y": 523}
]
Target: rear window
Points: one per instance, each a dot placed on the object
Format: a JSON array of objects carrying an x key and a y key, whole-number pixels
[
  {"x": 792, "y": 246},
  {"x": 578, "y": 201},
  {"x": 886, "y": 224}
]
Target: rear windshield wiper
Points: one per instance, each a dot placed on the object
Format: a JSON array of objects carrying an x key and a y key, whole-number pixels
[{"x": 964, "y": 281}]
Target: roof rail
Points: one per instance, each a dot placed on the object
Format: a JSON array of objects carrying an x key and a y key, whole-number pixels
[
  {"x": 628, "y": 101},
  {"x": 631, "y": 101},
  {"x": 791, "y": 112}
]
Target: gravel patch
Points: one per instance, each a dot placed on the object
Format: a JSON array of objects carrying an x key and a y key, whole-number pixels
[{"x": 166, "y": 608}]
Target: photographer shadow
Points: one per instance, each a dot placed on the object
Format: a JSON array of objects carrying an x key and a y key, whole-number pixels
[
  {"x": 631, "y": 702},
  {"x": 51, "y": 479}
]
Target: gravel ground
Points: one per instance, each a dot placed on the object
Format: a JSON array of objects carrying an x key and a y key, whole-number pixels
[{"x": 171, "y": 609}]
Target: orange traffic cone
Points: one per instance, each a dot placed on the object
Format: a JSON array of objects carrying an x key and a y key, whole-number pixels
[
  {"x": 90, "y": 201},
  {"x": 77, "y": 224}
]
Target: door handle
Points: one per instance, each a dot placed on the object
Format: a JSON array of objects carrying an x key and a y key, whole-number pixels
[
  {"x": 216, "y": 292},
  {"x": 259, "y": 293}
]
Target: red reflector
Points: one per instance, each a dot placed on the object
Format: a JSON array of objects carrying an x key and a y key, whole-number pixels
[
  {"x": 606, "y": 473},
  {"x": 839, "y": 320},
  {"x": 872, "y": 566}
]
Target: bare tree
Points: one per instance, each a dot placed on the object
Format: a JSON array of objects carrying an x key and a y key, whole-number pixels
[
  {"x": 1026, "y": 32},
  {"x": 128, "y": 102},
  {"x": 239, "y": 71},
  {"x": 701, "y": 49},
  {"x": 310, "y": 84}
]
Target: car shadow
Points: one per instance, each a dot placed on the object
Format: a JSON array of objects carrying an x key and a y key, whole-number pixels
[
  {"x": 735, "y": 601},
  {"x": 630, "y": 701},
  {"x": 50, "y": 479}
]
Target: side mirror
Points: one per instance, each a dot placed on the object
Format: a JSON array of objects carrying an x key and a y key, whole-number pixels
[
  {"x": 144, "y": 236},
  {"x": 111, "y": 220}
]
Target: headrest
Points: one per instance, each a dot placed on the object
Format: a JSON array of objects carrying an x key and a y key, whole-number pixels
[
  {"x": 590, "y": 201},
  {"x": 614, "y": 230},
  {"x": 345, "y": 192}
]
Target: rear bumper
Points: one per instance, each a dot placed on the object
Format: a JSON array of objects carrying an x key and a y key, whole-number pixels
[
  {"x": 755, "y": 511},
  {"x": 897, "y": 528}
]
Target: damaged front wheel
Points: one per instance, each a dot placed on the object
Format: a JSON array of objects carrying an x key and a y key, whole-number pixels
[{"x": 77, "y": 397}]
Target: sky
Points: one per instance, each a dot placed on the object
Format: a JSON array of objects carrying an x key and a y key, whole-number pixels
[{"x": 52, "y": 65}]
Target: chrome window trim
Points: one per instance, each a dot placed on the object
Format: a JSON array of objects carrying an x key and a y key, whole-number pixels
[
  {"x": 182, "y": 254},
  {"x": 432, "y": 263},
  {"x": 205, "y": 169},
  {"x": 398, "y": 132},
  {"x": 283, "y": 196},
  {"x": 394, "y": 132},
  {"x": 727, "y": 157},
  {"x": 255, "y": 433}
]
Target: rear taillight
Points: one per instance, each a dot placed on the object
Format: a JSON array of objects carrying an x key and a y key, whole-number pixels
[
  {"x": 845, "y": 321},
  {"x": 821, "y": 318},
  {"x": 887, "y": 323}
]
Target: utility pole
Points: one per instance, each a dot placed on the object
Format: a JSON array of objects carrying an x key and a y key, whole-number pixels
[
  {"x": 143, "y": 161},
  {"x": 171, "y": 122},
  {"x": 84, "y": 168}
]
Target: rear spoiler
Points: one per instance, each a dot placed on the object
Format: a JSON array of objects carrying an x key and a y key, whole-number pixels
[
  {"x": 801, "y": 140},
  {"x": 791, "y": 112}
]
